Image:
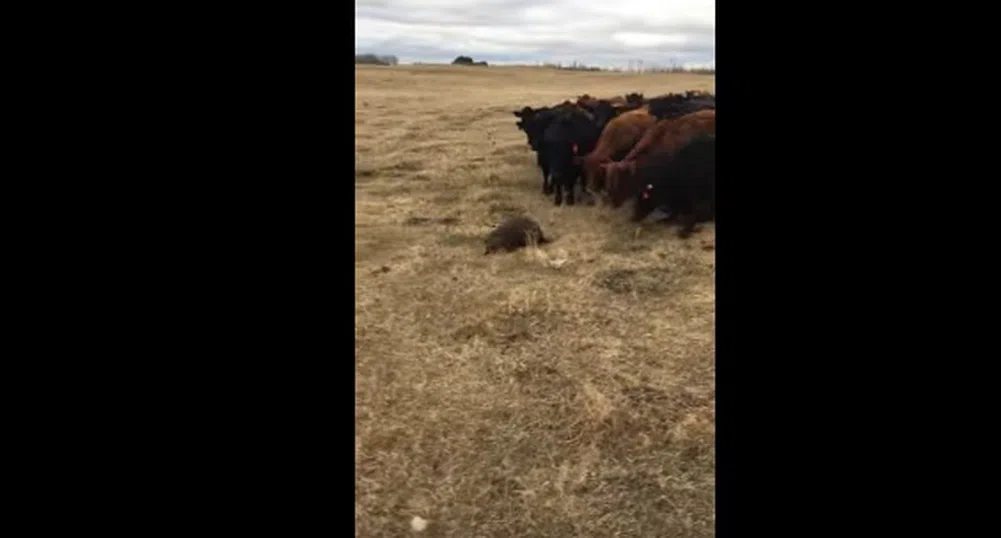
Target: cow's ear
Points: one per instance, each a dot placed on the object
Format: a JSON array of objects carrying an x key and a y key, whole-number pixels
[{"x": 517, "y": 113}]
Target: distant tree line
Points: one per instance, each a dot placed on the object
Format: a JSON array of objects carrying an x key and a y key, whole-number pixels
[
  {"x": 466, "y": 60},
  {"x": 372, "y": 59},
  {"x": 574, "y": 66}
]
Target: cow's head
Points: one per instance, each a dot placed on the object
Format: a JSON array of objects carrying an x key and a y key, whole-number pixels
[{"x": 618, "y": 179}]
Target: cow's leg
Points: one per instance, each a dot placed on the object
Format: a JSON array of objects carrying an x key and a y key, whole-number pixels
[
  {"x": 663, "y": 214},
  {"x": 585, "y": 194},
  {"x": 706, "y": 206},
  {"x": 688, "y": 214},
  {"x": 687, "y": 220},
  {"x": 606, "y": 181},
  {"x": 569, "y": 183},
  {"x": 547, "y": 185}
]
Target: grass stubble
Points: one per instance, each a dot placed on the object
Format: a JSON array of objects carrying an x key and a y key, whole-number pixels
[{"x": 561, "y": 391}]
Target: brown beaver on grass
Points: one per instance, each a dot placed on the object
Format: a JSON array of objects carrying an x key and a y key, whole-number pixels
[{"x": 514, "y": 233}]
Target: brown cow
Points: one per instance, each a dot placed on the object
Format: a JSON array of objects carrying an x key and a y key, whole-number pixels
[
  {"x": 664, "y": 139},
  {"x": 587, "y": 102},
  {"x": 617, "y": 138},
  {"x": 590, "y": 103},
  {"x": 653, "y": 136}
]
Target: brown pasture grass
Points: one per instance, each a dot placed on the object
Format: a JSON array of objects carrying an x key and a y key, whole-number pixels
[{"x": 561, "y": 391}]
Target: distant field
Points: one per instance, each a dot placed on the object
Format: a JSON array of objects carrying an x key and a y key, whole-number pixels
[{"x": 566, "y": 392}]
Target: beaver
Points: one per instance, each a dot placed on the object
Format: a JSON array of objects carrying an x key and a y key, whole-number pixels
[{"x": 514, "y": 233}]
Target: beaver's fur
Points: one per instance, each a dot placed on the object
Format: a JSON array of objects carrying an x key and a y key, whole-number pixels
[{"x": 514, "y": 233}]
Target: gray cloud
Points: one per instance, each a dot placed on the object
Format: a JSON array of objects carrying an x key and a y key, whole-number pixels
[{"x": 658, "y": 32}]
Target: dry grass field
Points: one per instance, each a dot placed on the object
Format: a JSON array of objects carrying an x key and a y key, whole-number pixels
[{"x": 566, "y": 391}]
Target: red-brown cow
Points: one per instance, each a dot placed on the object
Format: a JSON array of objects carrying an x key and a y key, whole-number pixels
[
  {"x": 661, "y": 141},
  {"x": 617, "y": 138}
]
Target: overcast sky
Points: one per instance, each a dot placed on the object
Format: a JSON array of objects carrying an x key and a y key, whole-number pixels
[{"x": 658, "y": 32}]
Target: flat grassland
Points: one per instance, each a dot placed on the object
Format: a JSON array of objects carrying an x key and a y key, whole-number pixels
[{"x": 566, "y": 391}]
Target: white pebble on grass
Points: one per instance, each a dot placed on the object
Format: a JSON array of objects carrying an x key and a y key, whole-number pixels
[{"x": 418, "y": 524}]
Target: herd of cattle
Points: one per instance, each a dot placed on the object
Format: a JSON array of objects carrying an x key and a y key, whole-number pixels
[{"x": 659, "y": 151}]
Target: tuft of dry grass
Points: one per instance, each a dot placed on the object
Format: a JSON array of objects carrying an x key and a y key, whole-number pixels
[{"x": 566, "y": 390}]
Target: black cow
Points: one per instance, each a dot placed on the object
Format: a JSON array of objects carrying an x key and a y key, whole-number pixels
[
  {"x": 675, "y": 105},
  {"x": 684, "y": 184},
  {"x": 559, "y": 134},
  {"x": 605, "y": 110},
  {"x": 534, "y": 123},
  {"x": 572, "y": 133},
  {"x": 634, "y": 98}
]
